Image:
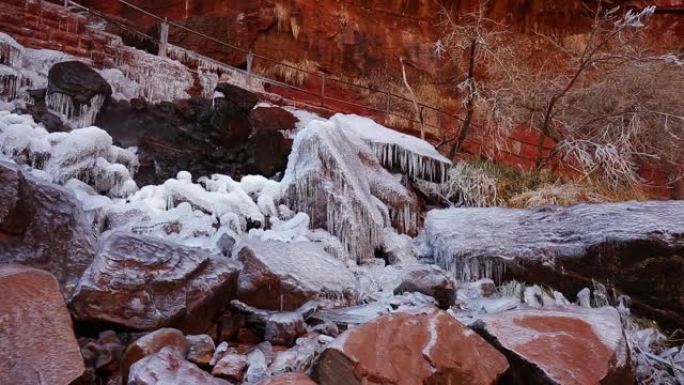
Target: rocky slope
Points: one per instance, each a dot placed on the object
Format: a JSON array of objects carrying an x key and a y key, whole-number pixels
[{"x": 162, "y": 262}]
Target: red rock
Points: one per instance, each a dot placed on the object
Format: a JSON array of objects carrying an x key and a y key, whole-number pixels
[
  {"x": 129, "y": 285},
  {"x": 576, "y": 346},
  {"x": 42, "y": 225},
  {"x": 37, "y": 342},
  {"x": 231, "y": 367},
  {"x": 408, "y": 349},
  {"x": 167, "y": 367},
  {"x": 283, "y": 276},
  {"x": 272, "y": 119},
  {"x": 288, "y": 379},
  {"x": 152, "y": 343},
  {"x": 201, "y": 349}
]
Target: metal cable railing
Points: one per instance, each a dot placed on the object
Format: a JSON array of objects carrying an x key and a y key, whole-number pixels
[{"x": 435, "y": 116}]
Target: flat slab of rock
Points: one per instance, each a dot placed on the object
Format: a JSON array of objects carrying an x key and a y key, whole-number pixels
[
  {"x": 42, "y": 225},
  {"x": 145, "y": 283},
  {"x": 37, "y": 342},
  {"x": 410, "y": 349},
  {"x": 638, "y": 247},
  {"x": 168, "y": 367},
  {"x": 564, "y": 347},
  {"x": 283, "y": 276}
]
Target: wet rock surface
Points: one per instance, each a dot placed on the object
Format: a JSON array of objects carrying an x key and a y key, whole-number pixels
[
  {"x": 567, "y": 346},
  {"x": 168, "y": 367},
  {"x": 408, "y": 349},
  {"x": 638, "y": 247},
  {"x": 42, "y": 225},
  {"x": 145, "y": 283},
  {"x": 37, "y": 342},
  {"x": 283, "y": 276},
  {"x": 170, "y": 135}
]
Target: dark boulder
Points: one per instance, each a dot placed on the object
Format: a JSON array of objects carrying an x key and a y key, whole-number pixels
[
  {"x": 271, "y": 118},
  {"x": 429, "y": 280},
  {"x": 77, "y": 80},
  {"x": 238, "y": 99},
  {"x": 637, "y": 248},
  {"x": 42, "y": 225}
]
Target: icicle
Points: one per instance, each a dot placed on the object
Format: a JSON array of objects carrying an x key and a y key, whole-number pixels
[
  {"x": 10, "y": 51},
  {"x": 78, "y": 117}
]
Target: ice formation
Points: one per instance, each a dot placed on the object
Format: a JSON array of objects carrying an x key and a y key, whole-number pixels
[
  {"x": 10, "y": 58},
  {"x": 413, "y": 156},
  {"x": 476, "y": 243},
  {"x": 334, "y": 178},
  {"x": 77, "y": 116},
  {"x": 159, "y": 79},
  {"x": 86, "y": 154}
]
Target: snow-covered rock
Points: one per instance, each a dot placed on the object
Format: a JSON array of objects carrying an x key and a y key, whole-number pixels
[
  {"x": 152, "y": 343},
  {"x": 283, "y": 276},
  {"x": 412, "y": 156},
  {"x": 336, "y": 179},
  {"x": 145, "y": 283},
  {"x": 168, "y": 367},
  {"x": 632, "y": 245},
  {"x": 429, "y": 280}
]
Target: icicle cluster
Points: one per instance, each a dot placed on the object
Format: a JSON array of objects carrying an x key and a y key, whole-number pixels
[
  {"x": 9, "y": 83},
  {"x": 211, "y": 71},
  {"x": 159, "y": 79},
  {"x": 335, "y": 178},
  {"x": 77, "y": 116},
  {"x": 10, "y": 51},
  {"x": 412, "y": 156},
  {"x": 86, "y": 154}
]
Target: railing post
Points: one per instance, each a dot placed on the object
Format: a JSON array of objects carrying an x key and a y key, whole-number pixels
[
  {"x": 250, "y": 60},
  {"x": 163, "y": 38},
  {"x": 322, "y": 89},
  {"x": 387, "y": 109}
]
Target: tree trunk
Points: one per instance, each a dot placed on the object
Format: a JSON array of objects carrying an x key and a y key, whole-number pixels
[{"x": 470, "y": 101}]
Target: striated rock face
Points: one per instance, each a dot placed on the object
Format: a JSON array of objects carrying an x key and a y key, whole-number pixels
[
  {"x": 145, "y": 283},
  {"x": 283, "y": 276},
  {"x": 37, "y": 342},
  {"x": 410, "y": 349},
  {"x": 168, "y": 367},
  {"x": 42, "y": 225},
  {"x": 564, "y": 347},
  {"x": 636, "y": 247}
]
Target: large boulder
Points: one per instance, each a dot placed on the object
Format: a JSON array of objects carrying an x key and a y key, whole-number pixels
[
  {"x": 78, "y": 81},
  {"x": 283, "y": 276},
  {"x": 409, "y": 349},
  {"x": 37, "y": 342},
  {"x": 168, "y": 367},
  {"x": 43, "y": 225},
  {"x": 272, "y": 118},
  {"x": 145, "y": 283},
  {"x": 635, "y": 247},
  {"x": 573, "y": 346},
  {"x": 334, "y": 177}
]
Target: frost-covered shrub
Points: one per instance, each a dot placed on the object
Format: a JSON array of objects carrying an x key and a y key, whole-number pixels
[{"x": 468, "y": 185}]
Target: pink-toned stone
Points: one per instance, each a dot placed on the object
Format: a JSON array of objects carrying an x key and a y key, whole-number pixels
[
  {"x": 288, "y": 379},
  {"x": 409, "y": 349},
  {"x": 37, "y": 342},
  {"x": 231, "y": 367},
  {"x": 573, "y": 346}
]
